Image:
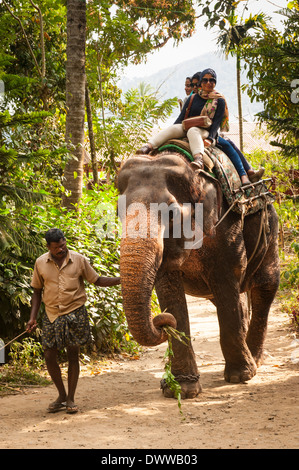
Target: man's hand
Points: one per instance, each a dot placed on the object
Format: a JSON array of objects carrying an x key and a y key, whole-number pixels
[
  {"x": 35, "y": 305},
  {"x": 104, "y": 281},
  {"x": 31, "y": 326}
]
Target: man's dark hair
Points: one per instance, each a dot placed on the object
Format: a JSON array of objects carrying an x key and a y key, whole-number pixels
[
  {"x": 196, "y": 76},
  {"x": 54, "y": 235}
]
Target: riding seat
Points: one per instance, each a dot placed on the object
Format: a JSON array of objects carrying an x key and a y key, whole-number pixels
[{"x": 244, "y": 200}]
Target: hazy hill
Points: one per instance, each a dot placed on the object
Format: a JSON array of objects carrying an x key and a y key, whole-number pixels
[{"x": 171, "y": 82}]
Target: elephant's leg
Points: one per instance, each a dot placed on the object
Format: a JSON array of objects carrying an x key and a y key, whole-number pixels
[
  {"x": 261, "y": 299},
  {"x": 266, "y": 282},
  {"x": 239, "y": 363},
  {"x": 171, "y": 295}
]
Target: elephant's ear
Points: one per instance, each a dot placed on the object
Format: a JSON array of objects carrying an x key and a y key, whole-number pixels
[
  {"x": 122, "y": 180},
  {"x": 124, "y": 174},
  {"x": 196, "y": 190},
  {"x": 211, "y": 197},
  {"x": 219, "y": 198}
]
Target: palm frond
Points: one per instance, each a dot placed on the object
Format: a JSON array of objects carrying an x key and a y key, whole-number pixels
[
  {"x": 17, "y": 242},
  {"x": 7, "y": 156},
  {"x": 20, "y": 195},
  {"x": 36, "y": 117}
]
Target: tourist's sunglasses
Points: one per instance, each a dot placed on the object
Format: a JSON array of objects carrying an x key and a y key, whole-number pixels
[
  {"x": 188, "y": 86},
  {"x": 195, "y": 84},
  {"x": 206, "y": 80}
]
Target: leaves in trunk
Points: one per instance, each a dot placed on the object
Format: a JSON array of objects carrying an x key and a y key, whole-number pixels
[{"x": 168, "y": 376}]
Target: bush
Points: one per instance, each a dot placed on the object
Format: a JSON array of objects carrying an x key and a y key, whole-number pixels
[
  {"x": 27, "y": 354},
  {"x": 93, "y": 232},
  {"x": 25, "y": 367},
  {"x": 286, "y": 191}
]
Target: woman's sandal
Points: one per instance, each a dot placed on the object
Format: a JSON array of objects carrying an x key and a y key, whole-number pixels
[
  {"x": 257, "y": 175},
  {"x": 144, "y": 150},
  {"x": 196, "y": 166}
]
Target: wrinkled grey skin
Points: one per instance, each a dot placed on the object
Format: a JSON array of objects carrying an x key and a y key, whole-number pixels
[{"x": 217, "y": 271}]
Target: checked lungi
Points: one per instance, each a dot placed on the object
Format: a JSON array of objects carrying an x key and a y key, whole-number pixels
[{"x": 72, "y": 329}]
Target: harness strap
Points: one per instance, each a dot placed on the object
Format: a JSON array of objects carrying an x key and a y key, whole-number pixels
[{"x": 178, "y": 149}]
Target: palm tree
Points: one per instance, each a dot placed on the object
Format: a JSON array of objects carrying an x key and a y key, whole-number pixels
[
  {"x": 231, "y": 39},
  {"x": 75, "y": 100}
]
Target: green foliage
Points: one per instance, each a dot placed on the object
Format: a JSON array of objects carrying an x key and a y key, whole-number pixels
[
  {"x": 275, "y": 86},
  {"x": 25, "y": 156},
  {"x": 216, "y": 11},
  {"x": 290, "y": 305},
  {"x": 33, "y": 154},
  {"x": 25, "y": 367},
  {"x": 235, "y": 32},
  {"x": 15, "y": 296},
  {"x": 26, "y": 354},
  {"x": 120, "y": 33},
  {"x": 290, "y": 273},
  {"x": 287, "y": 206},
  {"x": 271, "y": 60},
  {"x": 27, "y": 86},
  {"x": 14, "y": 378},
  {"x": 124, "y": 32},
  {"x": 94, "y": 232},
  {"x": 131, "y": 124}
]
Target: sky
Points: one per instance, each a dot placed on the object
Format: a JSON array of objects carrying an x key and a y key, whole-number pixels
[{"x": 169, "y": 56}]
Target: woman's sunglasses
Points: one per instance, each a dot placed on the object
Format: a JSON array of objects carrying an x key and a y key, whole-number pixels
[{"x": 206, "y": 80}]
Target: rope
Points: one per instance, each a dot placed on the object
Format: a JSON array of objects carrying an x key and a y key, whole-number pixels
[
  {"x": 219, "y": 222},
  {"x": 223, "y": 217},
  {"x": 264, "y": 222},
  {"x": 11, "y": 341},
  {"x": 263, "y": 229},
  {"x": 259, "y": 236}
]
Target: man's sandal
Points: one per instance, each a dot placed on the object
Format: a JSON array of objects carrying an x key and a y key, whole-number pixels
[
  {"x": 56, "y": 406},
  {"x": 71, "y": 409}
]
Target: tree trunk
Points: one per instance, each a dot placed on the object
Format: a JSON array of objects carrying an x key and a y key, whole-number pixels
[
  {"x": 94, "y": 163},
  {"x": 75, "y": 100},
  {"x": 240, "y": 102}
]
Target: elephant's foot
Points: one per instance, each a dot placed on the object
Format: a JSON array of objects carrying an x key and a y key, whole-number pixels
[
  {"x": 259, "y": 358},
  {"x": 258, "y": 355},
  {"x": 234, "y": 374},
  {"x": 188, "y": 389}
]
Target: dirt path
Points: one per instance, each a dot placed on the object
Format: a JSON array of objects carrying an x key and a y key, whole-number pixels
[{"x": 122, "y": 407}]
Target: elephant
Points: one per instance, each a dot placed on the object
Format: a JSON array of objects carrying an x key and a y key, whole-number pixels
[{"x": 230, "y": 261}]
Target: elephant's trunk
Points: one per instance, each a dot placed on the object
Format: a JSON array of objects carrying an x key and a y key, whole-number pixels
[{"x": 139, "y": 262}]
